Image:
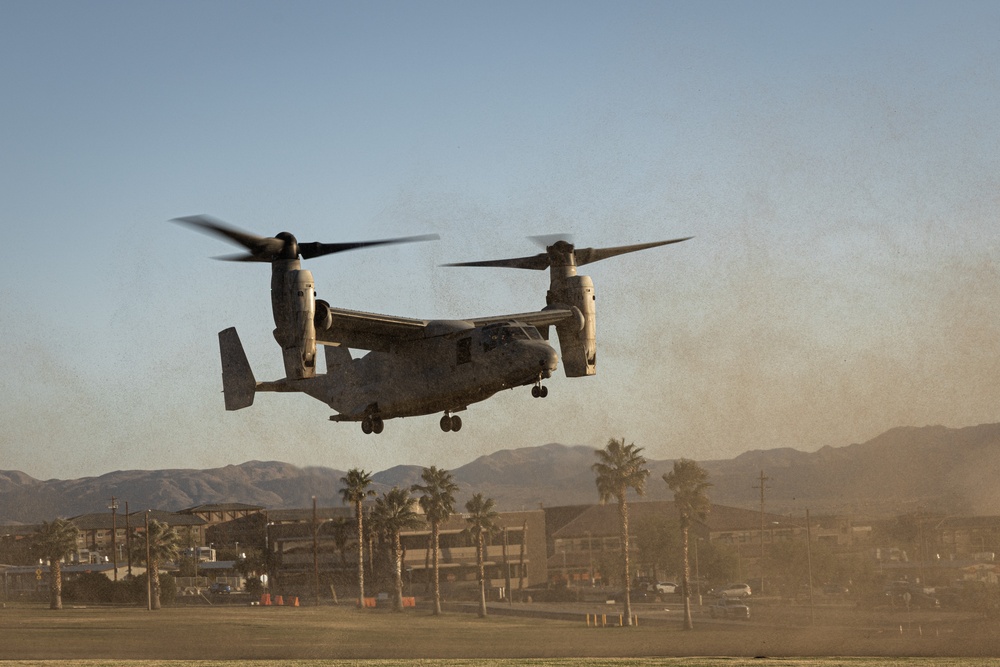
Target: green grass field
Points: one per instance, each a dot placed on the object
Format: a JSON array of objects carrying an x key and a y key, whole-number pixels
[{"x": 286, "y": 635}]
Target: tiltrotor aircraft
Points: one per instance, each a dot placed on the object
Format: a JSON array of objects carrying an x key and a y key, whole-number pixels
[{"x": 412, "y": 367}]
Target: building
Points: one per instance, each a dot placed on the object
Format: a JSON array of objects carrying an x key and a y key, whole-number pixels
[
  {"x": 215, "y": 514},
  {"x": 515, "y": 558},
  {"x": 95, "y": 543},
  {"x": 971, "y": 537},
  {"x": 589, "y": 537}
]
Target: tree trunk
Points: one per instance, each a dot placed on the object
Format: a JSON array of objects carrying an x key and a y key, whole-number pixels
[
  {"x": 623, "y": 515},
  {"x": 480, "y": 562},
  {"x": 427, "y": 564},
  {"x": 154, "y": 572},
  {"x": 686, "y": 580},
  {"x": 358, "y": 509},
  {"x": 397, "y": 557},
  {"x": 435, "y": 537},
  {"x": 55, "y": 586}
]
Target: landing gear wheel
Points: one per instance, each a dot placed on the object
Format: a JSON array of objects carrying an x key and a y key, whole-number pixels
[
  {"x": 536, "y": 392},
  {"x": 366, "y": 425},
  {"x": 377, "y": 425},
  {"x": 446, "y": 423},
  {"x": 456, "y": 423},
  {"x": 543, "y": 392}
]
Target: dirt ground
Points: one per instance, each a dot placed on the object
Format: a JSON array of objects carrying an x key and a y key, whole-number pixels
[{"x": 345, "y": 633}]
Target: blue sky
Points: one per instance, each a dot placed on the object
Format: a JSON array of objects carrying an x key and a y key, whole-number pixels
[{"x": 837, "y": 164}]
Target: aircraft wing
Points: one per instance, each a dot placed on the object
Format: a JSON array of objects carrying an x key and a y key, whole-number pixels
[
  {"x": 537, "y": 318},
  {"x": 369, "y": 331}
]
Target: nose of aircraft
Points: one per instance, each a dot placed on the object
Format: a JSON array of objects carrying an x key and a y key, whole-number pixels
[{"x": 548, "y": 360}]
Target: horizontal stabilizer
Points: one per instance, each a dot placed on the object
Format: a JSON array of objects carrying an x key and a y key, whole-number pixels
[{"x": 238, "y": 383}]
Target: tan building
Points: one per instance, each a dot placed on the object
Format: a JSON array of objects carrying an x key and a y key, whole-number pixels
[
  {"x": 517, "y": 551},
  {"x": 218, "y": 513},
  {"x": 590, "y": 536},
  {"x": 96, "y": 545}
]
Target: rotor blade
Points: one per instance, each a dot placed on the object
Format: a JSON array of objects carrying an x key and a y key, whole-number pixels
[
  {"x": 242, "y": 257},
  {"x": 537, "y": 263},
  {"x": 590, "y": 255},
  {"x": 317, "y": 249},
  {"x": 207, "y": 223}
]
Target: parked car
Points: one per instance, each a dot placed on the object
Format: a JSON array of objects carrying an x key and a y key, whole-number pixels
[
  {"x": 666, "y": 587},
  {"x": 220, "y": 589},
  {"x": 729, "y": 608},
  {"x": 731, "y": 591}
]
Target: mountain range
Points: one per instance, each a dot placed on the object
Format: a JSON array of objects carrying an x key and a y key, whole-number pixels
[{"x": 932, "y": 468}]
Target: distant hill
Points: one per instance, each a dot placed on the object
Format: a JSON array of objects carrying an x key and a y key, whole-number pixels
[{"x": 930, "y": 468}]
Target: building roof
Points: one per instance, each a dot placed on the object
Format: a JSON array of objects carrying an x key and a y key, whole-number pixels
[
  {"x": 136, "y": 519},
  {"x": 603, "y": 519},
  {"x": 306, "y": 515},
  {"x": 723, "y": 518},
  {"x": 223, "y": 507}
]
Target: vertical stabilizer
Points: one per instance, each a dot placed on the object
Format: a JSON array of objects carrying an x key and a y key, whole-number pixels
[
  {"x": 338, "y": 358},
  {"x": 238, "y": 383}
]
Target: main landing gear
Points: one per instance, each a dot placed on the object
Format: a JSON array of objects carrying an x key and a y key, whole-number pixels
[
  {"x": 372, "y": 424},
  {"x": 451, "y": 422}
]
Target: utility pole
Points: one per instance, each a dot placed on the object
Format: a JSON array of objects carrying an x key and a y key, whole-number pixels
[
  {"x": 762, "y": 487},
  {"x": 809, "y": 565},
  {"x": 149, "y": 575},
  {"x": 315, "y": 552},
  {"x": 506, "y": 567},
  {"x": 114, "y": 534},
  {"x": 128, "y": 541},
  {"x": 520, "y": 570}
]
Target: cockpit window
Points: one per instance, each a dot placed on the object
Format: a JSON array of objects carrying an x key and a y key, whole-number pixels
[
  {"x": 496, "y": 335},
  {"x": 532, "y": 333}
]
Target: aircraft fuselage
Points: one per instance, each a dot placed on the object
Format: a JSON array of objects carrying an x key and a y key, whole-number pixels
[{"x": 443, "y": 373}]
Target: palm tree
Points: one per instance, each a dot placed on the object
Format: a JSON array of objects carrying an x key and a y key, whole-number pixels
[
  {"x": 392, "y": 515},
  {"x": 354, "y": 491},
  {"x": 618, "y": 468},
  {"x": 56, "y": 540},
  {"x": 688, "y": 481},
  {"x": 164, "y": 544},
  {"x": 438, "y": 502},
  {"x": 482, "y": 522}
]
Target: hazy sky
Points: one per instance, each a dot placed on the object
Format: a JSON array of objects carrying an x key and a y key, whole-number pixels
[{"x": 838, "y": 164}]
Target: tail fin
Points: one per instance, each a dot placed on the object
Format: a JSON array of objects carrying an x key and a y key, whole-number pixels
[
  {"x": 238, "y": 383},
  {"x": 337, "y": 357}
]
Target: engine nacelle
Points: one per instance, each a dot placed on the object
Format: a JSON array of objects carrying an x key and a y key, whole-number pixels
[
  {"x": 577, "y": 339},
  {"x": 294, "y": 304}
]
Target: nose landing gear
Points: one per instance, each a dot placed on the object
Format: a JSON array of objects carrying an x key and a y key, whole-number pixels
[
  {"x": 539, "y": 391},
  {"x": 450, "y": 422}
]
